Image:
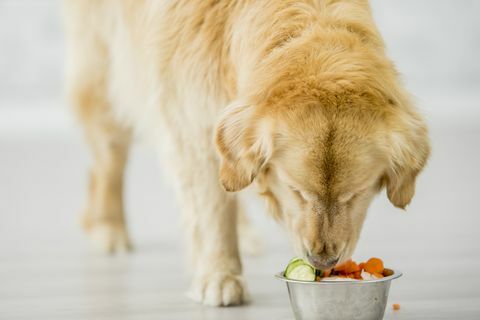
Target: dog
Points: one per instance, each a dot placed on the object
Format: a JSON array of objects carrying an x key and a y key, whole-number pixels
[{"x": 295, "y": 96}]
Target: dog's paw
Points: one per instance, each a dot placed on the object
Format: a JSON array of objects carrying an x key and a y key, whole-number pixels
[
  {"x": 219, "y": 289},
  {"x": 110, "y": 238},
  {"x": 107, "y": 237}
]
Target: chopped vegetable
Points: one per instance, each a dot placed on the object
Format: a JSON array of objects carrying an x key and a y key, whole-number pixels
[
  {"x": 327, "y": 273},
  {"x": 341, "y": 267},
  {"x": 396, "y": 306},
  {"x": 374, "y": 265},
  {"x": 351, "y": 267},
  {"x": 370, "y": 270},
  {"x": 292, "y": 264},
  {"x": 298, "y": 269},
  {"x": 387, "y": 272}
]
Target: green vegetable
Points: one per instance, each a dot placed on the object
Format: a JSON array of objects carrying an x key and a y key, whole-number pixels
[
  {"x": 298, "y": 269},
  {"x": 292, "y": 264}
]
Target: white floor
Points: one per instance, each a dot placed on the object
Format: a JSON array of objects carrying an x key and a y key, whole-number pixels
[{"x": 47, "y": 270}]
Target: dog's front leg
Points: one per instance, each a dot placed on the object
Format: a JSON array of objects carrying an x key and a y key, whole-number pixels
[{"x": 209, "y": 219}]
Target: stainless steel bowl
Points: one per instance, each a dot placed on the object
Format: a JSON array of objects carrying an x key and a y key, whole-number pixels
[{"x": 339, "y": 300}]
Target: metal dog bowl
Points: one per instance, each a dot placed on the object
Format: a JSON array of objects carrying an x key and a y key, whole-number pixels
[{"x": 339, "y": 300}]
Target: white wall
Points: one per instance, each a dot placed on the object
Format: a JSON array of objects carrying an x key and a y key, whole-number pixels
[
  {"x": 31, "y": 50},
  {"x": 435, "y": 43}
]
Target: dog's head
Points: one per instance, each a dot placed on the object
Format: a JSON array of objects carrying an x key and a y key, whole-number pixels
[{"x": 320, "y": 161}]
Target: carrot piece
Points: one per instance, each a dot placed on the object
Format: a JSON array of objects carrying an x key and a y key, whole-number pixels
[
  {"x": 341, "y": 267},
  {"x": 374, "y": 265},
  {"x": 358, "y": 275},
  {"x": 361, "y": 265},
  {"x": 377, "y": 275},
  {"x": 327, "y": 273},
  {"x": 387, "y": 272},
  {"x": 351, "y": 267},
  {"x": 396, "y": 306}
]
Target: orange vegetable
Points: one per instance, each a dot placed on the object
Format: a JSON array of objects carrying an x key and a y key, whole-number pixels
[
  {"x": 351, "y": 267},
  {"x": 341, "y": 267},
  {"x": 396, "y": 306},
  {"x": 387, "y": 272},
  {"x": 374, "y": 265},
  {"x": 327, "y": 273}
]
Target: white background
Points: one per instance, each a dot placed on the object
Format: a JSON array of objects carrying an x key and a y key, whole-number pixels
[{"x": 435, "y": 44}]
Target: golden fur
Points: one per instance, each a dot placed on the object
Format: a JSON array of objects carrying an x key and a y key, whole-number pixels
[{"x": 294, "y": 95}]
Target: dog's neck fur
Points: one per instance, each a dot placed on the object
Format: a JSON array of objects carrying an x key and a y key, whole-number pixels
[{"x": 297, "y": 36}]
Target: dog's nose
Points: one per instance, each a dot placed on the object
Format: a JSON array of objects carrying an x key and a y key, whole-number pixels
[{"x": 322, "y": 262}]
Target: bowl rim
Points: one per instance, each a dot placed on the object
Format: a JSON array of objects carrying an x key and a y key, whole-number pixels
[{"x": 396, "y": 274}]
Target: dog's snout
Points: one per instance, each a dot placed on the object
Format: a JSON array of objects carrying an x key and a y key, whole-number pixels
[
  {"x": 323, "y": 255},
  {"x": 322, "y": 262}
]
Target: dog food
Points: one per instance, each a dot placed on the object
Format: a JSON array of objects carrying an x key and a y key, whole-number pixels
[{"x": 299, "y": 269}]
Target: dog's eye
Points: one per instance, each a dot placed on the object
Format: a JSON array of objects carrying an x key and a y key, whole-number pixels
[{"x": 349, "y": 198}]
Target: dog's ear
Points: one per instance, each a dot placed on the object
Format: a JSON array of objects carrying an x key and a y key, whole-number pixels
[
  {"x": 243, "y": 144},
  {"x": 409, "y": 148}
]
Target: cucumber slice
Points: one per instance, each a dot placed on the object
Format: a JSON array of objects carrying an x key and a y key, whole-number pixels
[
  {"x": 302, "y": 272},
  {"x": 298, "y": 269},
  {"x": 292, "y": 264}
]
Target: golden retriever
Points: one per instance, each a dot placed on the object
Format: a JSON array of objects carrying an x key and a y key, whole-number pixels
[{"x": 297, "y": 96}]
